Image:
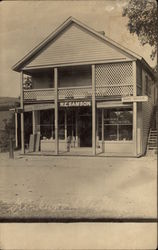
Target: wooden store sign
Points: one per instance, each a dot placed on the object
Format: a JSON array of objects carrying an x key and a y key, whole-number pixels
[
  {"x": 75, "y": 104},
  {"x": 135, "y": 99}
]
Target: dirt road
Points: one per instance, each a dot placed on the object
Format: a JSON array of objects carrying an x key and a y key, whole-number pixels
[{"x": 87, "y": 187}]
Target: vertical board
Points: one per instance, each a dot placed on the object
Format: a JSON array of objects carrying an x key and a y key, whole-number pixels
[
  {"x": 37, "y": 142},
  {"x": 32, "y": 143}
]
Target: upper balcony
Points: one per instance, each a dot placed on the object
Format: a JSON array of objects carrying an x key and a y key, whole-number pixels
[{"x": 76, "y": 83}]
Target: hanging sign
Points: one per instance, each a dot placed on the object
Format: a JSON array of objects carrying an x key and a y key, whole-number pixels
[
  {"x": 135, "y": 99},
  {"x": 75, "y": 104}
]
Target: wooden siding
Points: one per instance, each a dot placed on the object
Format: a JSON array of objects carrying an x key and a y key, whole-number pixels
[
  {"x": 147, "y": 108},
  {"x": 75, "y": 44},
  {"x": 146, "y": 112}
]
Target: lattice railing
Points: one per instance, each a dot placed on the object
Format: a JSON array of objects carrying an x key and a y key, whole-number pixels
[
  {"x": 103, "y": 91},
  {"x": 76, "y": 93},
  {"x": 38, "y": 94},
  {"x": 114, "y": 79}
]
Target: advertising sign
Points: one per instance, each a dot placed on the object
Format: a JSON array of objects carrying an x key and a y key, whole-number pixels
[{"x": 75, "y": 104}]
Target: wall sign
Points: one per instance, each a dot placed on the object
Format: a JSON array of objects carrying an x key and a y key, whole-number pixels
[
  {"x": 75, "y": 104},
  {"x": 135, "y": 99},
  {"x": 43, "y": 106}
]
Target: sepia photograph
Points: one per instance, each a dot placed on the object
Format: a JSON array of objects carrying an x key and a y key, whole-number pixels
[{"x": 78, "y": 124}]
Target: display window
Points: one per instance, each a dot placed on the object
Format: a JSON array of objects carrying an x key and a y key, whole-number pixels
[{"x": 118, "y": 124}]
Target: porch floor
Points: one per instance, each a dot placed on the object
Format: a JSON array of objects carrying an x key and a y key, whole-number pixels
[{"x": 81, "y": 151}]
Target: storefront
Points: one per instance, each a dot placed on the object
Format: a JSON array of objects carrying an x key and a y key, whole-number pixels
[{"x": 97, "y": 97}]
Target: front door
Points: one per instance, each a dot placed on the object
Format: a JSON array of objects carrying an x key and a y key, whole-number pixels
[{"x": 85, "y": 128}]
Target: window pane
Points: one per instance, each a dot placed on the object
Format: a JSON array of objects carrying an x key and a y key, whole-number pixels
[
  {"x": 110, "y": 117},
  {"x": 125, "y": 132},
  {"x": 110, "y": 132},
  {"x": 125, "y": 117}
]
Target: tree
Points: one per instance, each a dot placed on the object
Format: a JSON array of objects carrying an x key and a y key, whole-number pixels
[{"x": 143, "y": 21}]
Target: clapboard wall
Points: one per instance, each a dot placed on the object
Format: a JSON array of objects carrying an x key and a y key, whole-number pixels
[
  {"x": 147, "y": 108},
  {"x": 73, "y": 45}
]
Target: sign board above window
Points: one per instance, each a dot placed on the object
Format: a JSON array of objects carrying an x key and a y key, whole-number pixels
[
  {"x": 75, "y": 104},
  {"x": 34, "y": 107},
  {"x": 135, "y": 99}
]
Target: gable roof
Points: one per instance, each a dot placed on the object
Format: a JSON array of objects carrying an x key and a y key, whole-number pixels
[{"x": 34, "y": 52}]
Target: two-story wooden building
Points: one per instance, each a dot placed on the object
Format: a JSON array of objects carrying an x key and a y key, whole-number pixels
[{"x": 87, "y": 91}]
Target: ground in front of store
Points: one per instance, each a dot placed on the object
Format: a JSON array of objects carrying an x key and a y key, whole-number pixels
[{"x": 74, "y": 187}]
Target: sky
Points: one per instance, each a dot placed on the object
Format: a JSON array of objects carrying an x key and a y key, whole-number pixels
[{"x": 24, "y": 24}]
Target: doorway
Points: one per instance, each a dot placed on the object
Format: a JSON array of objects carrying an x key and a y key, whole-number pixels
[{"x": 85, "y": 127}]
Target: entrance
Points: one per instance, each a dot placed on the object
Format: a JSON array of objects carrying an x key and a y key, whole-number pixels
[
  {"x": 85, "y": 127},
  {"x": 75, "y": 124}
]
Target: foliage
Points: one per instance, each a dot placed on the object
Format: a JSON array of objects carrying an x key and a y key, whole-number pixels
[
  {"x": 27, "y": 83},
  {"x": 142, "y": 21},
  {"x": 7, "y": 133}
]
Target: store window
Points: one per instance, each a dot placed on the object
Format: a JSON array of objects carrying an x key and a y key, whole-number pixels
[
  {"x": 47, "y": 124},
  {"x": 118, "y": 124}
]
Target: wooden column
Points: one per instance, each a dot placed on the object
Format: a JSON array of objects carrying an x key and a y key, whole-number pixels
[
  {"x": 97, "y": 130},
  {"x": 56, "y": 110},
  {"x": 65, "y": 125},
  {"x": 134, "y": 109},
  {"x": 93, "y": 112},
  {"x": 22, "y": 114},
  {"x": 22, "y": 134},
  {"x": 76, "y": 123},
  {"x": 102, "y": 129},
  {"x": 33, "y": 122},
  {"x": 16, "y": 130}
]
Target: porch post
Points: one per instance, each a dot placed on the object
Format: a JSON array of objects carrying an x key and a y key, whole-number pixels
[
  {"x": 77, "y": 128},
  {"x": 93, "y": 112},
  {"x": 97, "y": 118},
  {"x": 134, "y": 110},
  {"x": 102, "y": 131},
  {"x": 16, "y": 130},
  {"x": 33, "y": 122},
  {"x": 56, "y": 110},
  {"x": 65, "y": 125},
  {"x": 22, "y": 114},
  {"x": 22, "y": 134}
]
